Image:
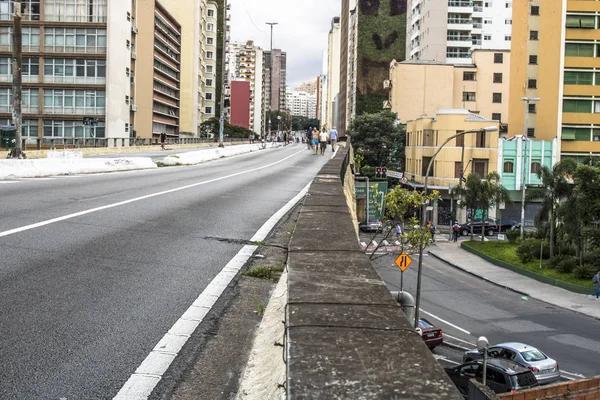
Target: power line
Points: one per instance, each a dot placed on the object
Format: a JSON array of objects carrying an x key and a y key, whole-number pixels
[{"x": 250, "y": 17}]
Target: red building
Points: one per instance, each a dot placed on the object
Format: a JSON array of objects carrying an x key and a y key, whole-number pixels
[{"x": 240, "y": 104}]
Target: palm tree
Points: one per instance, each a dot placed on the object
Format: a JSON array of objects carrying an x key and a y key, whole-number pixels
[
  {"x": 482, "y": 194},
  {"x": 556, "y": 185}
]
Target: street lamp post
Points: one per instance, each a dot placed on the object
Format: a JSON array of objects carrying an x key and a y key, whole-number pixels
[
  {"x": 424, "y": 209},
  {"x": 524, "y": 170},
  {"x": 483, "y": 345}
]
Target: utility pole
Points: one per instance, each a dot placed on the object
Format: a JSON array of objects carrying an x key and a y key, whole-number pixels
[
  {"x": 17, "y": 59},
  {"x": 271, "y": 24},
  {"x": 223, "y": 73}
]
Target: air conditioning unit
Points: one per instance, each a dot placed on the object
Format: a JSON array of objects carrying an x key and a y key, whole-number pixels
[
  {"x": 133, "y": 55},
  {"x": 387, "y": 84},
  {"x": 134, "y": 107},
  {"x": 134, "y": 29}
]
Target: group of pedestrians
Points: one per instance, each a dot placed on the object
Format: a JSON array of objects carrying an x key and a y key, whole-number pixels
[{"x": 317, "y": 140}]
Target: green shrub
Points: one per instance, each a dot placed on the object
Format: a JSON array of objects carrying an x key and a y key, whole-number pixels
[
  {"x": 584, "y": 272},
  {"x": 526, "y": 249},
  {"x": 512, "y": 235},
  {"x": 591, "y": 258},
  {"x": 567, "y": 265}
]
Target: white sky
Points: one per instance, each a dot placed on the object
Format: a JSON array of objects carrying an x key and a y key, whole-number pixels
[{"x": 302, "y": 31}]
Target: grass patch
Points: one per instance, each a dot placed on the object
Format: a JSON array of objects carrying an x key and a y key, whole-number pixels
[
  {"x": 506, "y": 252},
  {"x": 162, "y": 165},
  {"x": 272, "y": 273}
]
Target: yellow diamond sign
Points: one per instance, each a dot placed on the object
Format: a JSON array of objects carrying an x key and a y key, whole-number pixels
[{"x": 403, "y": 261}]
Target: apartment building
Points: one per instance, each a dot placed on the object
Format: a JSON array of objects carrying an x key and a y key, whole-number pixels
[
  {"x": 554, "y": 72},
  {"x": 331, "y": 103},
  {"x": 420, "y": 88},
  {"x": 471, "y": 153},
  {"x": 208, "y": 83},
  {"x": 301, "y": 103},
  {"x": 449, "y": 30},
  {"x": 275, "y": 67},
  {"x": 78, "y": 62},
  {"x": 246, "y": 63},
  {"x": 158, "y": 71}
]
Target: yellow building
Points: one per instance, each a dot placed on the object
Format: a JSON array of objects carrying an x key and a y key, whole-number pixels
[
  {"x": 554, "y": 51},
  {"x": 422, "y": 87},
  {"x": 477, "y": 152}
]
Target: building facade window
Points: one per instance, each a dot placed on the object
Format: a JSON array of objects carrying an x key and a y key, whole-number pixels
[
  {"x": 577, "y": 106},
  {"x": 468, "y": 96},
  {"x": 29, "y": 100},
  {"x": 207, "y": 110},
  {"x": 69, "y": 101},
  {"x": 480, "y": 167},
  {"x": 509, "y": 167},
  {"x": 536, "y": 167},
  {"x": 209, "y": 69},
  {"x": 533, "y": 35},
  {"x": 209, "y": 96},
  {"x": 210, "y": 27},
  {"x": 468, "y": 76},
  {"x": 496, "y": 97},
  {"x": 71, "y": 129},
  {"x": 209, "y": 82},
  {"x": 75, "y": 10},
  {"x": 497, "y": 77},
  {"x": 532, "y": 83},
  {"x": 535, "y": 10},
  {"x": 579, "y": 78},
  {"x": 530, "y": 132},
  {"x": 425, "y": 164},
  {"x": 532, "y": 108},
  {"x": 497, "y": 117},
  {"x": 581, "y": 21},
  {"x": 457, "y": 169},
  {"x": 579, "y": 49},
  {"x": 68, "y": 70},
  {"x": 210, "y": 41},
  {"x": 498, "y": 58},
  {"x": 30, "y": 69},
  {"x": 209, "y": 55},
  {"x": 30, "y": 10},
  {"x": 30, "y": 38},
  {"x": 75, "y": 40},
  {"x": 533, "y": 60},
  {"x": 480, "y": 139},
  {"x": 211, "y": 13}
]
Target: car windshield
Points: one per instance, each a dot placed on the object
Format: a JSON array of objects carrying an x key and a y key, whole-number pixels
[{"x": 533, "y": 355}]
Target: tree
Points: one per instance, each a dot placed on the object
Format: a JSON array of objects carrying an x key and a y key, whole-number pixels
[
  {"x": 481, "y": 194},
  {"x": 556, "y": 185},
  {"x": 379, "y": 139},
  {"x": 210, "y": 128},
  {"x": 302, "y": 123},
  {"x": 285, "y": 120}
]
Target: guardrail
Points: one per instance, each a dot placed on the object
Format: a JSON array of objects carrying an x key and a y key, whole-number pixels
[{"x": 347, "y": 338}]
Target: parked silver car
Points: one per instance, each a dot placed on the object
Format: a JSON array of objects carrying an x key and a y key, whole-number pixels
[{"x": 543, "y": 367}]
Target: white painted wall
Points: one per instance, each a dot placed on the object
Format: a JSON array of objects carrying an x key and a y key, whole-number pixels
[
  {"x": 118, "y": 58},
  {"x": 498, "y": 29}
]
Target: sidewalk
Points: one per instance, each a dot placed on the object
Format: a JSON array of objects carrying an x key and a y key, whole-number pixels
[{"x": 452, "y": 254}]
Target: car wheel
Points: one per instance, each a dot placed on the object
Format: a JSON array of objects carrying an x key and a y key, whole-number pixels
[
  {"x": 465, "y": 232},
  {"x": 490, "y": 232}
]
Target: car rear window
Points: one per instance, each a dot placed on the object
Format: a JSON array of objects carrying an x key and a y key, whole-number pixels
[
  {"x": 524, "y": 379},
  {"x": 425, "y": 324},
  {"x": 533, "y": 355}
]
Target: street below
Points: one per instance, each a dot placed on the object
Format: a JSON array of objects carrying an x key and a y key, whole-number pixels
[
  {"x": 467, "y": 307},
  {"x": 97, "y": 268}
]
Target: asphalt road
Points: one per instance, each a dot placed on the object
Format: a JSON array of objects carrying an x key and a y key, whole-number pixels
[
  {"x": 86, "y": 294},
  {"x": 466, "y": 307}
]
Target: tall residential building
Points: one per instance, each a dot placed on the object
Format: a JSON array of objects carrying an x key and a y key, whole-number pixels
[
  {"x": 331, "y": 102},
  {"x": 309, "y": 87},
  {"x": 554, "y": 58},
  {"x": 449, "y": 30},
  {"x": 158, "y": 70},
  {"x": 420, "y": 88},
  {"x": 246, "y": 62},
  {"x": 321, "y": 79},
  {"x": 301, "y": 103},
  {"x": 208, "y": 82},
  {"x": 275, "y": 69},
  {"x": 373, "y": 34},
  {"x": 78, "y": 61}
]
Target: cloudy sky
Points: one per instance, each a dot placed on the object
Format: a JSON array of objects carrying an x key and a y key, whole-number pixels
[{"x": 302, "y": 31}]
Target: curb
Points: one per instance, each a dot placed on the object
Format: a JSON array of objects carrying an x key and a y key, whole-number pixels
[
  {"x": 477, "y": 276},
  {"x": 454, "y": 346}
]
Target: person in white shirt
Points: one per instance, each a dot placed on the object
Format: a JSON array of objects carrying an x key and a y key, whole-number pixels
[{"x": 323, "y": 137}]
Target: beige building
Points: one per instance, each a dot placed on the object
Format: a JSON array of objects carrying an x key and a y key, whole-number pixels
[
  {"x": 158, "y": 71},
  {"x": 422, "y": 87},
  {"x": 477, "y": 153},
  {"x": 246, "y": 63},
  {"x": 208, "y": 82},
  {"x": 555, "y": 59}
]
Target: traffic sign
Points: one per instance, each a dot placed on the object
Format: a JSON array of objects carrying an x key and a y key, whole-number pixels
[
  {"x": 403, "y": 261},
  {"x": 429, "y": 208},
  {"x": 395, "y": 174}
]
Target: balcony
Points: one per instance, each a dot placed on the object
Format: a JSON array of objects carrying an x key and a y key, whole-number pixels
[
  {"x": 458, "y": 41},
  {"x": 415, "y": 34},
  {"x": 455, "y": 24}
]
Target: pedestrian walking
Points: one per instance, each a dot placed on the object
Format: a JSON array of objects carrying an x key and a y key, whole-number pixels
[
  {"x": 308, "y": 135},
  {"x": 398, "y": 232},
  {"x": 315, "y": 140},
  {"x": 333, "y": 133},
  {"x": 323, "y": 136},
  {"x": 455, "y": 231},
  {"x": 596, "y": 281},
  {"x": 432, "y": 231},
  {"x": 163, "y": 139}
]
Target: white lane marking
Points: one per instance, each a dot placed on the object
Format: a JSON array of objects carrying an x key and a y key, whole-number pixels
[
  {"x": 444, "y": 358},
  {"x": 3, "y": 182},
  {"x": 141, "y": 384},
  {"x": 577, "y": 376},
  {"x": 438, "y": 318},
  {"x": 121, "y": 203},
  {"x": 460, "y": 340}
]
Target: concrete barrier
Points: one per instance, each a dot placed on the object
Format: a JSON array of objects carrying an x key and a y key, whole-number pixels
[{"x": 347, "y": 337}]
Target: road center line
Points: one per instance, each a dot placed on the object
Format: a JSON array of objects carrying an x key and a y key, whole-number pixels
[
  {"x": 446, "y": 322},
  {"x": 141, "y": 384},
  {"x": 121, "y": 203}
]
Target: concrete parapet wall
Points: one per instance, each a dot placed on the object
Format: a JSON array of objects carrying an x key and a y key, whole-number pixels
[
  {"x": 583, "y": 389},
  {"x": 347, "y": 337}
]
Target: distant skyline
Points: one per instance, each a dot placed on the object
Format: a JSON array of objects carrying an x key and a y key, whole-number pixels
[{"x": 302, "y": 31}]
